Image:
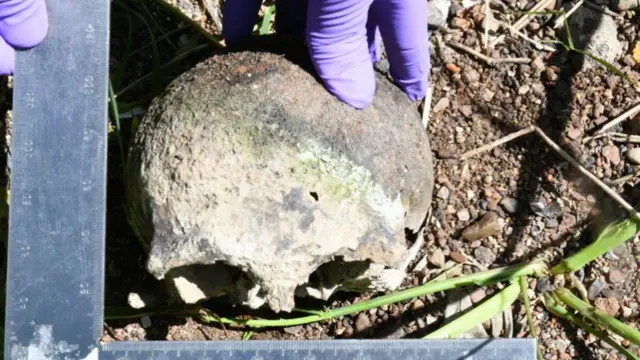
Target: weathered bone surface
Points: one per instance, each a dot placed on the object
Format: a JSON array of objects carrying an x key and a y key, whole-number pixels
[{"x": 246, "y": 176}]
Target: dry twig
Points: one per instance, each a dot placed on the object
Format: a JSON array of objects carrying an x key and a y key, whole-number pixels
[
  {"x": 565, "y": 156},
  {"x": 601, "y": 9},
  {"x": 426, "y": 107},
  {"x": 538, "y": 45},
  {"x": 620, "y": 118},
  {"x": 588, "y": 174},
  {"x": 624, "y": 179},
  {"x": 487, "y": 13},
  {"x": 560, "y": 21},
  {"x": 496, "y": 143},
  {"x": 488, "y": 60},
  {"x": 523, "y": 21},
  {"x": 615, "y": 136}
]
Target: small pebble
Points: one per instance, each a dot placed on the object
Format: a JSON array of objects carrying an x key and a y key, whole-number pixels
[
  {"x": 478, "y": 295},
  {"x": 608, "y": 305},
  {"x": 471, "y": 76},
  {"x": 574, "y": 133},
  {"x": 466, "y": 110},
  {"x": 633, "y": 155},
  {"x": 523, "y": 90},
  {"x": 490, "y": 224},
  {"x": 443, "y": 193},
  {"x": 551, "y": 223},
  {"x": 596, "y": 288},
  {"x": 460, "y": 23},
  {"x": 611, "y": 153},
  {"x": 362, "y": 322},
  {"x": 146, "y": 322},
  {"x": 436, "y": 258},
  {"x": 463, "y": 215},
  {"x": 417, "y": 305},
  {"x": 135, "y": 301},
  {"x": 441, "y": 105},
  {"x": 509, "y": 204},
  {"x": 293, "y": 330},
  {"x": 543, "y": 285},
  {"x": 535, "y": 230},
  {"x": 484, "y": 255},
  {"x": 616, "y": 276},
  {"x": 458, "y": 257}
]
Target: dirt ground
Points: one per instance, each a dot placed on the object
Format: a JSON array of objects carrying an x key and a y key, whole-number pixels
[{"x": 547, "y": 206}]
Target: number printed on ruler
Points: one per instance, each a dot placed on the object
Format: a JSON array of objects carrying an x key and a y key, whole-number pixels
[{"x": 88, "y": 85}]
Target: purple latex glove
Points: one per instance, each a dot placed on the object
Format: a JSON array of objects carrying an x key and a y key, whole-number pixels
[
  {"x": 23, "y": 24},
  {"x": 343, "y": 39}
]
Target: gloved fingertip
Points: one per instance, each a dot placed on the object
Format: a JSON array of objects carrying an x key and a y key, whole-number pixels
[
  {"x": 7, "y": 58},
  {"x": 356, "y": 93},
  {"x": 28, "y": 27}
]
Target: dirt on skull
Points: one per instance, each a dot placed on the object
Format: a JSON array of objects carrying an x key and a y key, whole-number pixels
[{"x": 246, "y": 177}]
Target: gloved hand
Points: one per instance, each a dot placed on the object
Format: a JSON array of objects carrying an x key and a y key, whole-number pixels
[
  {"x": 23, "y": 24},
  {"x": 343, "y": 40}
]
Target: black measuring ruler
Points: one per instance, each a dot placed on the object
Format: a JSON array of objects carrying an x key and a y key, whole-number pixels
[{"x": 55, "y": 277}]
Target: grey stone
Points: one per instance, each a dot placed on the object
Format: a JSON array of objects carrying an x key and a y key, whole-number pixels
[
  {"x": 437, "y": 259},
  {"x": 622, "y": 5},
  {"x": 510, "y": 205},
  {"x": 362, "y": 322},
  {"x": 484, "y": 255},
  {"x": 596, "y": 287},
  {"x": 443, "y": 193},
  {"x": 594, "y": 34},
  {"x": 246, "y": 177},
  {"x": 438, "y": 12},
  {"x": 633, "y": 155}
]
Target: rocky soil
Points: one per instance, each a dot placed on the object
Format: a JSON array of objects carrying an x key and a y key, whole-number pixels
[{"x": 503, "y": 206}]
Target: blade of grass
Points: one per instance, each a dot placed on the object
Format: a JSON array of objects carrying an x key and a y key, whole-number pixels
[
  {"x": 481, "y": 313},
  {"x": 534, "y": 268},
  {"x": 561, "y": 312},
  {"x": 612, "y": 236},
  {"x": 116, "y": 116},
  {"x": 266, "y": 20},
  {"x": 598, "y": 317},
  {"x": 609, "y": 66},
  {"x": 524, "y": 286},
  {"x": 569, "y": 37}
]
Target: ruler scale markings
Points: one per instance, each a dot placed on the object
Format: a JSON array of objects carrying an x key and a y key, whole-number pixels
[
  {"x": 56, "y": 225},
  {"x": 55, "y": 265}
]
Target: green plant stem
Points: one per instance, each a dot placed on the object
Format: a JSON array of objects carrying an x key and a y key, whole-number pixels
[
  {"x": 116, "y": 116},
  {"x": 559, "y": 311},
  {"x": 612, "y": 236},
  {"x": 579, "y": 286},
  {"x": 524, "y": 286},
  {"x": 483, "y": 312},
  {"x": 508, "y": 273},
  {"x": 598, "y": 317}
]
